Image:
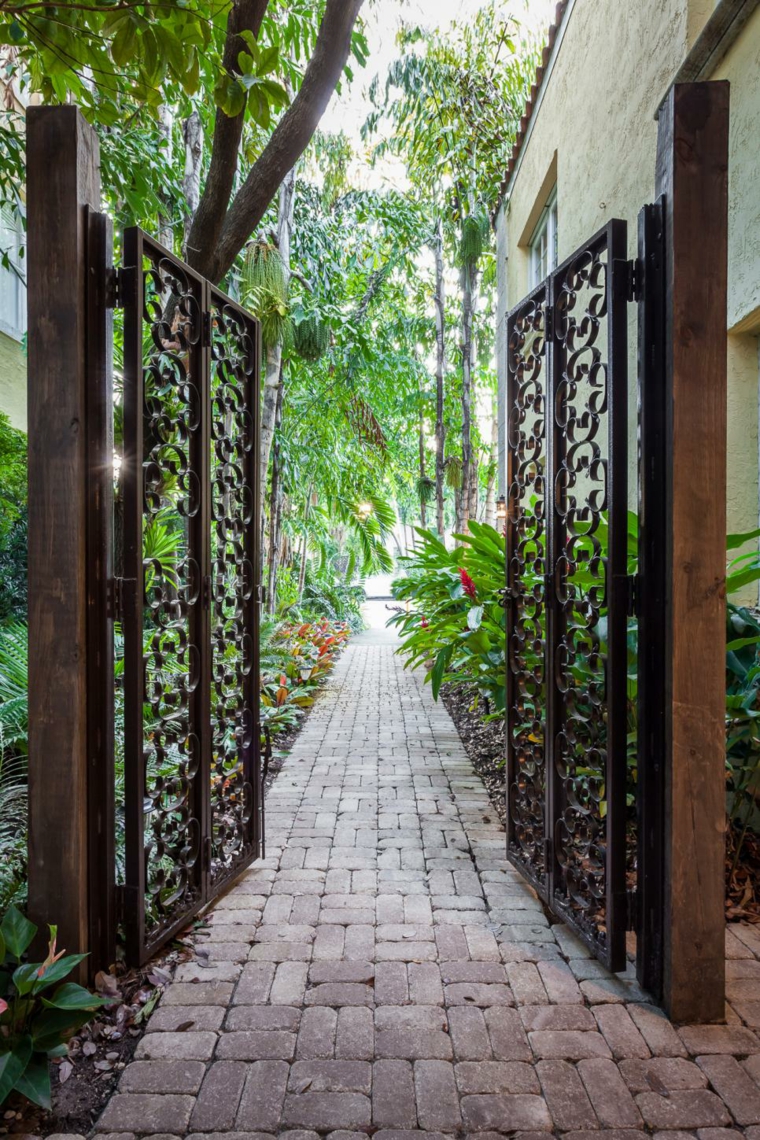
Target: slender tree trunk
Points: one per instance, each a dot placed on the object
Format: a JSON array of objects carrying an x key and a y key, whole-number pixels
[
  {"x": 469, "y": 279},
  {"x": 275, "y": 517},
  {"x": 423, "y": 489},
  {"x": 165, "y": 129},
  {"x": 192, "y": 133},
  {"x": 440, "y": 372},
  {"x": 489, "y": 515},
  {"x": 273, "y": 372},
  {"x": 304, "y": 544}
]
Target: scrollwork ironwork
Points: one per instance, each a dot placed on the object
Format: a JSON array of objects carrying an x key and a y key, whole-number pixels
[
  {"x": 526, "y": 568},
  {"x": 581, "y": 585},
  {"x": 233, "y": 511},
  {"x": 171, "y": 482}
]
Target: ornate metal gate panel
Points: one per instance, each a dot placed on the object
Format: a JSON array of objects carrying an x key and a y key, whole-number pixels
[
  {"x": 567, "y": 590},
  {"x": 193, "y": 802}
]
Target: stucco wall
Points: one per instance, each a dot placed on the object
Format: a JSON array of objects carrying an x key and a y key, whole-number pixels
[
  {"x": 596, "y": 123},
  {"x": 13, "y": 381}
]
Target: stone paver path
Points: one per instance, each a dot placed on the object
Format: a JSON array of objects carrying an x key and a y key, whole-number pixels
[{"x": 385, "y": 972}]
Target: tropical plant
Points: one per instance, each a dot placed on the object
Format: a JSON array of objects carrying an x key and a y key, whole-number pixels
[
  {"x": 39, "y": 1011},
  {"x": 455, "y": 621}
]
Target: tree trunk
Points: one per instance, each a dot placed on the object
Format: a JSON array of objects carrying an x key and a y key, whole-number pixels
[
  {"x": 440, "y": 371},
  {"x": 423, "y": 489},
  {"x": 489, "y": 514},
  {"x": 304, "y": 544},
  {"x": 275, "y": 517},
  {"x": 273, "y": 371},
  {"x": 469, "y": 278},
  {"x": 192, "y": 133},
  {"x": 165, "y": 129}
]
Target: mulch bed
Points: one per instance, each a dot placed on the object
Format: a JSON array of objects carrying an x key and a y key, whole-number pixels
[{"x": 484, "y": 741}]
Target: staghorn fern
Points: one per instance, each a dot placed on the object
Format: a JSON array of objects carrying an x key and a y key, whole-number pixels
[
  {"x": 453, "y": 468},
  {"x": 425, "y": 489}
]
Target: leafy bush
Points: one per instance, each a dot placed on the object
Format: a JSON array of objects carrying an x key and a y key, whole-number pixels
[
  {"x": 455, "y": 622},
  {"x": 35, "y": 1023},
  {"x": 294, "y": 659}
]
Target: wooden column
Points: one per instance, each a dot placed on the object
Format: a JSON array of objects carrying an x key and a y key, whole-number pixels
[
  {"x": 63, "y": 183},
  {"x": 692, "y": 175}
]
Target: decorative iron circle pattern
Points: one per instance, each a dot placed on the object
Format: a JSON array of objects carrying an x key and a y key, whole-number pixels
[
  {"x": 233, "y": 515},
  {"x": 526, "y": 569},
  {"x": 580, "y": 582},
  {"x": 172, "y": 330}
]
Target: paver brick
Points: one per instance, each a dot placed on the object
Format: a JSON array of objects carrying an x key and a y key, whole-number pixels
[
  {"x": 393, "y": 1100},
  {"x": 700, "y": 1039},
  {"x": 176, "y": 1046},
  {"x": 565, "y": 1095},
  {"x": 475, "y": 1077},
  {"x": 257, "y": 1045},
  {"x": 695, "y": 1108},
  {"x": 608, "y": 1093},
  {"x": 316, "y": 1035},
  {"x": 327, "y": 1110},
  {"x": 330, "y": 1076},
  {"x": 505, "y": 1113},
  {"x": 619, "y": 1032},
  {"x": 162, "y": 1077},
  {"x": 735, "y": 1087},
  {"x": 568, "y": 1045},
  {"x": 217, "y": 1105},
  {"x": 146, "y": 1112},
  {"x": 340, "y": 994},
  {"x": 260, "y": 1106},
  {"x": 437, "y": 1097}
]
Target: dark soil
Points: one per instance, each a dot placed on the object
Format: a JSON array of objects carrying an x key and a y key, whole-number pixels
[{"x": 483, "y": 740}]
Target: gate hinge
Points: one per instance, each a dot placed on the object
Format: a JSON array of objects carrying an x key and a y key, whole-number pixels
[
  {"x": 632, "y": 909},
  {"x": 628, "y": 279},
  {"x": 115, "y": 599},
  {"x": 548, "y": 323},
  {"x": 207, "y": 329},
  {"x": 632, "y": 595},
  {"x": 121, "y": 287}
]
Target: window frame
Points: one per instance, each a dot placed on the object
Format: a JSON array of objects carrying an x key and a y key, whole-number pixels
[
  {"x": 11, "y": 222},
  {"x": 543, "y": 244}
]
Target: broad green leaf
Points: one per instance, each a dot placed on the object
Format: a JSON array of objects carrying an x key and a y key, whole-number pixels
[
  {"x": 72, "y": 996},
  {"x": 12, "y": 1066},
  {"x": 34, "y": 1083},
  {"x": 17, "y": 931}
]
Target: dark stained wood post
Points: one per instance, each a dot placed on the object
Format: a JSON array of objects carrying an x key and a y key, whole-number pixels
[
  {"x": 63, "y": 185},
  {"x": 692, "y": 175}
]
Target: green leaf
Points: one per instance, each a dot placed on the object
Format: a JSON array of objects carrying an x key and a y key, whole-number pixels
[
  {"x": 439, "y": 668},
  {"x": 34, "y": 1084},
  {"x": 17, "y": 931},
  {"x": 58, "y": 970},
  {"x": 24, "y": 977},
  {"x": 268, "y": 60},
  {"x": 2, "y": 948},
  {"x": 475, "y": 617},
  {"x": 734, "y": 541},
  {"x": 124, "y": 45},
  {"x": 12, "y": 1066},
  {"x": 72, "y": 996}
]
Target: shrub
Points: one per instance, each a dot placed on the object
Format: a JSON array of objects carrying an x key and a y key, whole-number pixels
[{"x": 38, "y": 1010}]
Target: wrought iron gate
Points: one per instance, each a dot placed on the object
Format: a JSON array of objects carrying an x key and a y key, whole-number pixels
[
  {"x": 568, "y": 591},
  {"x": 193, "y": 805}
]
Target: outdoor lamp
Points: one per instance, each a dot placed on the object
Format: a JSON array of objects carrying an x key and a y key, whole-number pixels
[{"x": 501, "y": 509}]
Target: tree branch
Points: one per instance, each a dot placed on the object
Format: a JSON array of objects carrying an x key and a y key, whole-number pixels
[
  {"x": 217, "y": 251},
  {"x": 245, "y": 15}
]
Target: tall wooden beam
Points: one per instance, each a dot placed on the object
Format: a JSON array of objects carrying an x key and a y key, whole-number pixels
[
  {"x": 692, "y": 175},
  {"x": 63, "y": 184}
]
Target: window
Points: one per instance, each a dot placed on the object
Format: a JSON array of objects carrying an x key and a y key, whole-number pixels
[
  {"x": 12, "y": 284},
  {"x": 543, "y": 244}
]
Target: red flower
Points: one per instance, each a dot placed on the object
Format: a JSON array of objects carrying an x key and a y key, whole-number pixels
[
  {"x": 424, "y": 622},
  {"x": 467, "y": 584}
]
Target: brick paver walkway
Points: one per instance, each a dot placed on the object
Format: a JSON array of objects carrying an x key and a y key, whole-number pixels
[{"x": 385, "y": 971}]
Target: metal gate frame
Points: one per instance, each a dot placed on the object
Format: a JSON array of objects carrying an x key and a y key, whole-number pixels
[
  {"x": 191, "y": 400},
  {"x": 584, "y": 882}
]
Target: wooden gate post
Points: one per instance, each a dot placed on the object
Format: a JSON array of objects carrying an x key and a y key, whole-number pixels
[
  {"x": 63, "y": 186},
  {"x": 692, "y": 175}
]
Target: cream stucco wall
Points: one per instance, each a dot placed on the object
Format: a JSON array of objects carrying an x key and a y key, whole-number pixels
[
  {"x": 13, "y": 381},
  {"x": 595, "y": 133}
]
